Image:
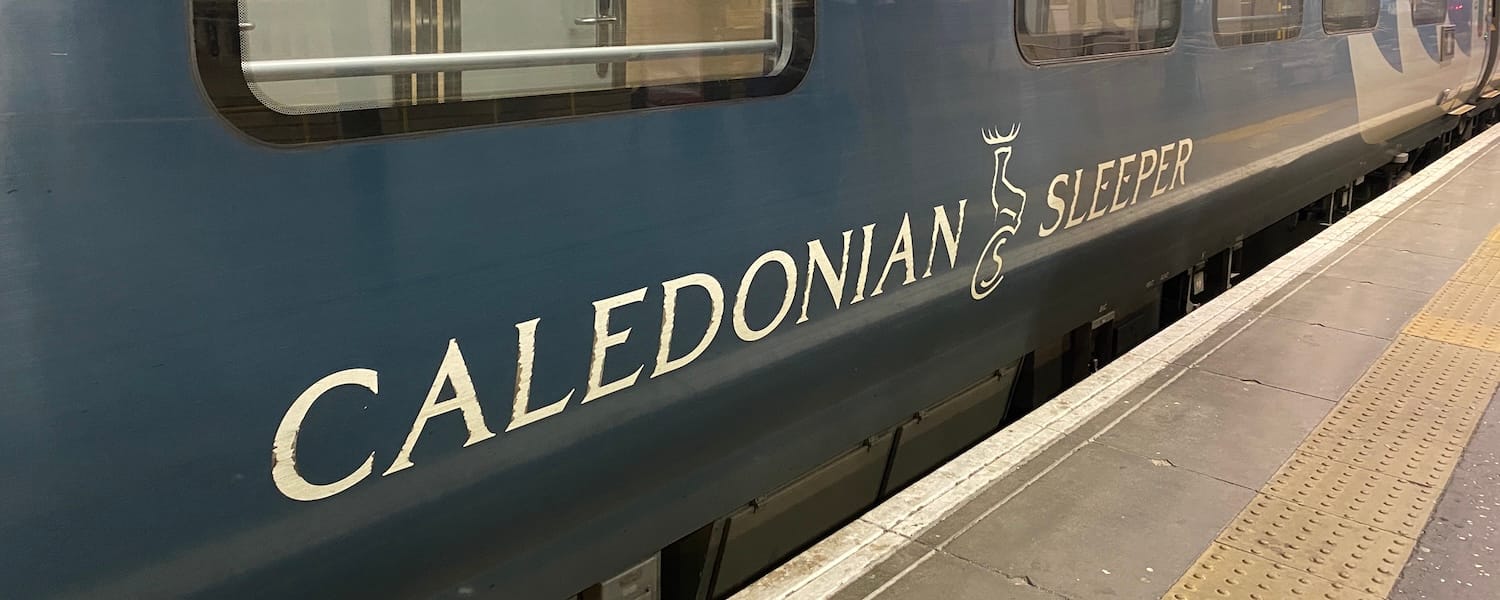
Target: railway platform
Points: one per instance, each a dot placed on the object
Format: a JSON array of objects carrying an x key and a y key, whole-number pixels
[{"x": 1322, "y": 430}]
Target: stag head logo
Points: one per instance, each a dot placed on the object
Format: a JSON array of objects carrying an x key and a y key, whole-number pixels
[{"x": 1009, "y": 202}]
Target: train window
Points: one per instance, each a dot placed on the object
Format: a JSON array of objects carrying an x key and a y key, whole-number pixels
[
  {"x": 1428, "y": 12},
  {"x": 1055, "y": 30},
  {"x": 1238, "y": 22},
  {"x": 297, "y": 71},
  {"x": 1344, "y": 16}
]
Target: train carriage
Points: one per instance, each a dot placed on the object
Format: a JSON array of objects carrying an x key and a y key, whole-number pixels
[{"x": 524, "y": 299}]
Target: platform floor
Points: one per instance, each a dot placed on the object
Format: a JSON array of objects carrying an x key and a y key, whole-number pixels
[{"x": 1322, "y": 430}]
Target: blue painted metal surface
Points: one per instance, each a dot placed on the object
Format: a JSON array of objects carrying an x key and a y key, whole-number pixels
[{"x": 168, "y": 288}]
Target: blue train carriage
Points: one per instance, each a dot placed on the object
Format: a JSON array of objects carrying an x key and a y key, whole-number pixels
[{"x": 534, "y": 299}]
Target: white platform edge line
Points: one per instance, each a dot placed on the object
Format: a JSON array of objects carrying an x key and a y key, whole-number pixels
[{"x": 851, "y": 552}]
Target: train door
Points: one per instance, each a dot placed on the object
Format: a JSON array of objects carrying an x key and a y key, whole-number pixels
[{"x": 1489, "y": 24}]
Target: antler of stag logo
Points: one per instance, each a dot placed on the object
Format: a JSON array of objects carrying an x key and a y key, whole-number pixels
[{"x": 1009, "y": 204}]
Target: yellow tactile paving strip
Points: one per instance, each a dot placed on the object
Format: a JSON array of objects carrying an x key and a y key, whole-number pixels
[
  {"x": 1342, "y": 515},
  {"x": 1484, "y": 267},
  {"x": 1406, "y": 400},
  {"x": 1460, "y": 313}
]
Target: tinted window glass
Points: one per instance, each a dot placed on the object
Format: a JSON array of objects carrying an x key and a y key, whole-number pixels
[
  {"x": 431, "y": 64},
  {"x": 1428, "y": 12},
  {"x": 1252, "y": 21},
  {"x": 1350, "y": 15},
  {"x": 1050, "y": 30}
]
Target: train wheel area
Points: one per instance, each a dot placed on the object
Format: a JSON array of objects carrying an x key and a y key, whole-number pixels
[{"x": 1321, "y": 429}]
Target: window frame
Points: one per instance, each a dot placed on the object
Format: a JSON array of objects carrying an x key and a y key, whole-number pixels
[
  {"x": 1296, "y": 30},
  {"x": 218, "y": 64},
  {"x": 1323, "y": 20},
  {"x": 1017, "y": 16}
]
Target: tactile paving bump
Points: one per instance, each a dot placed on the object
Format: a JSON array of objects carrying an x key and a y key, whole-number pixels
[
  {"x": 1463, "y": 314},
  {"x": 1224, "y": 572},
  {"x": 1413, "y": 411},
  {"x": 1319, "y": 543}
]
